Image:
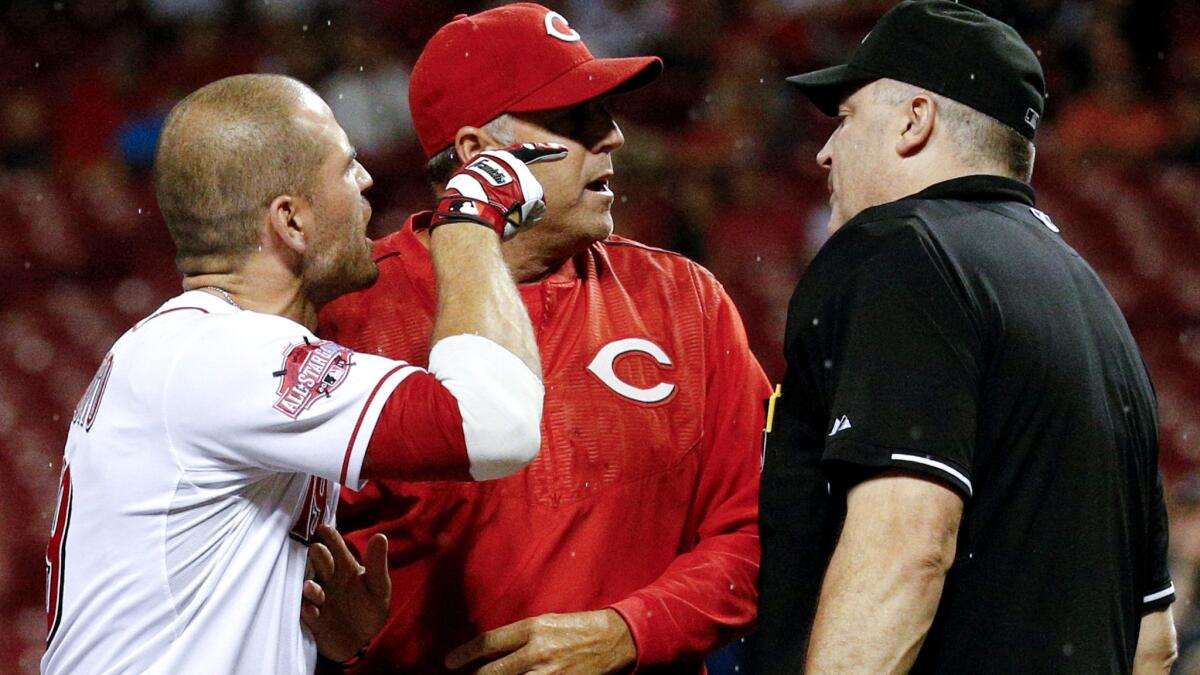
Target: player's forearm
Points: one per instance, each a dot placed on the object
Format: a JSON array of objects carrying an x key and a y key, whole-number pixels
[
  {"x": 885, "y": 579},
  {"x": 476, "y": 294}
]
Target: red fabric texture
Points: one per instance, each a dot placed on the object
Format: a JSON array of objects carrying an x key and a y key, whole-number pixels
[
  {"x": 419, "y": 434},
  {"x": 648, "y": 508}
]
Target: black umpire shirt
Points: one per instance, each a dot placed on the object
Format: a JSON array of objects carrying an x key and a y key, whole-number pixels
[{"x": 954, "y": 334}]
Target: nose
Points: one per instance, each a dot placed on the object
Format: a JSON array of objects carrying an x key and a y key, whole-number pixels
[
  {"x": 364, "y": 179},
  {"x": 825, "y": 156},
  {"x": 600, "y": 131},
  {"x": 612, "y": 140}
]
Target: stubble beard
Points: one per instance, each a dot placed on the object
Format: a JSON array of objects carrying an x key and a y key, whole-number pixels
[{"x": 350, "y": 267}]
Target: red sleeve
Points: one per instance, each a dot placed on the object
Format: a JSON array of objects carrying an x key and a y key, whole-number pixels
[
  {"x": 709, "y": 595},
  {"x": 419, "y": 435}
]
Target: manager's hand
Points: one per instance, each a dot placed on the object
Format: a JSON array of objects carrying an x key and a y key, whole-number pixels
[{"x": 583, "y": 643}]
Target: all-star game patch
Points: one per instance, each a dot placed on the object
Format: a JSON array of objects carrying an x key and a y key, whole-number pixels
[{"x": 310, "y": 370}]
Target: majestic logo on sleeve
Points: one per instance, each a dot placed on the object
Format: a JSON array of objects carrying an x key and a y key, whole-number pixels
[
  {"x": 310, "y": 370},
  {"x": 839, "y": 425},
  {"x": 603, "y": 367}
]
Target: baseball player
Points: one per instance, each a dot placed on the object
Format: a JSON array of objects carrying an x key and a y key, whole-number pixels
[
  {"x": 962, "y": 473},
  {"x": 631, "y": 540},
  {"x": 211, "y": 444}
]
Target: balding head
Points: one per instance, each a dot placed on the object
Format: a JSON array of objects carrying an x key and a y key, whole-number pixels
[{"x": 225, "y": 152}]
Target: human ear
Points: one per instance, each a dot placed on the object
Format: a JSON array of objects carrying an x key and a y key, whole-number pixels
[
  {"x": 918, "y": 117},
  {"x": 287, "y": 218},
  {"x": 470, "y": 141}
]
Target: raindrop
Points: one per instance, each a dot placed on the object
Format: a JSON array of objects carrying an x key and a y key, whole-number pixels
[
  {"x": 816, "y": 321},
  {"x": 708, "y": 99},
  {"x": 624, "y": 199},
  {"x": 466, "y": 53},
  {"x": 758, "y": 258},
  {"x": 828, "y": 364},
  {"x": 761, "y": 81},
  {"x": 37, "y": 64},
  {"x": 28, "y": 264},
  {"x": 1068, "y": 649},
  {"x": 1161, "y": 56},
  {"x": 972, "y": 77},
  {"x": 329, "y": 22},
  {"x": 1126, "y": 409},
  {"x": 360, "y": 69},
  {"x": 916, "y": 433},
  {"x": 54, "y": 417},
  {"x": 139, "y": 212},
  {"x": 58, "y": 6},
  {"x": 731, "y": 587},
  {"x": 340, "y": 96},
  {"x": 304, "y": 28}
]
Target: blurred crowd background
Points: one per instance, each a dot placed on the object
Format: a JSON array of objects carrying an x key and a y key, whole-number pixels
[{"x": 718, "y": 164}]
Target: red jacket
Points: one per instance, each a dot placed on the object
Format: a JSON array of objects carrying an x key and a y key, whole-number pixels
[{"x": 644, "y": 497}]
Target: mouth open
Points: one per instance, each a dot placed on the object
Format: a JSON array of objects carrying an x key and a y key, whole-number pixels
[{"x": 600, "y": 185}]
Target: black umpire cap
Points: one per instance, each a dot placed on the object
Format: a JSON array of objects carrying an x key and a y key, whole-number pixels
[{"x": 949, "y": 49}]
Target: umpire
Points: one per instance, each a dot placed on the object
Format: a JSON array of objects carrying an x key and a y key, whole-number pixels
[{"x": 961, "y": 475}]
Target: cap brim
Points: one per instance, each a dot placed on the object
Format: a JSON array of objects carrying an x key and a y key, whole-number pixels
[
  {"x": 827, "y": 87},
  {"x": 589, "y": 80}
]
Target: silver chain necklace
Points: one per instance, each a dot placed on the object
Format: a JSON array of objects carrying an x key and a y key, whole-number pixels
[{"x": 221, "y": 292}]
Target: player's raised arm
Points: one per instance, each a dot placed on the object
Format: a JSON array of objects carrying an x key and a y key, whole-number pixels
[
  {"x": 485, "y": 354},
  {"x": 476, "y": 293}
]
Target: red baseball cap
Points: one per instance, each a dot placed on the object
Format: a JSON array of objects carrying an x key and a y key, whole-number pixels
[{"x": 516, "y": 58}]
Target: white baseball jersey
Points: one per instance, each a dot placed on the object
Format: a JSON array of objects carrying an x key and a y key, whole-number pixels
[{"x": 200, "y": 461}]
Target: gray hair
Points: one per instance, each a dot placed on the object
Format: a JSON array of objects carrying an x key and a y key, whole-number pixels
[
  {"x": 442, "y": 166},
  {"x": 983, "y": 141}
]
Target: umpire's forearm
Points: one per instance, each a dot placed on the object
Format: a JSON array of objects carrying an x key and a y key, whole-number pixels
[
  {"x": 885, "y": 579},
  {"x": 1157, "y": 645}
]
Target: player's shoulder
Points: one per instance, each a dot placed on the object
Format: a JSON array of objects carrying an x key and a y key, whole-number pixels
[{"x": 212, "y": 321}]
